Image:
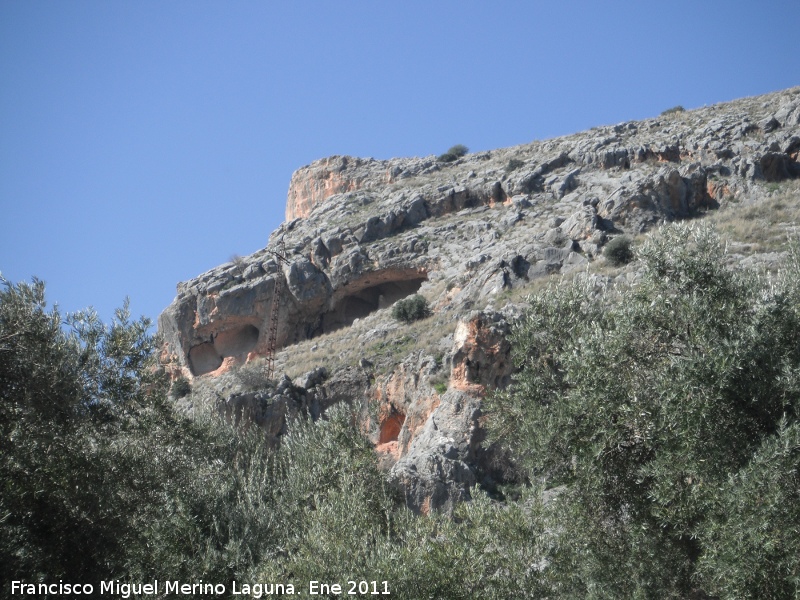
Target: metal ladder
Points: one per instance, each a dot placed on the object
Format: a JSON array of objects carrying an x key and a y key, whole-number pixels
[{"x": 280, "y": 255}]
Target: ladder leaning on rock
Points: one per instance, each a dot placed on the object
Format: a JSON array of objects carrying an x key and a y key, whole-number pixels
[{"x": 269, "y": 366}]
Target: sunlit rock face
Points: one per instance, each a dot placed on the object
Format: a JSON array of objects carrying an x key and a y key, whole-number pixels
[
  {"x": 472, "y": 236},
  {"x": 205, "y": 332}
]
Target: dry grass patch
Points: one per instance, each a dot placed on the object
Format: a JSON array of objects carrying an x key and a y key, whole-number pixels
[
  {"x": 765, "y": 226},
  {"x": 341, "y": 348},
  {"x": 425, "y": 336},
  {"x": 520, "y": 290},
  {"x": 377, "y": 338}
]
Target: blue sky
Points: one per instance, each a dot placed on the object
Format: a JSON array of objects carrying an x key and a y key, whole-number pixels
[{"x": 142, "y": 143}]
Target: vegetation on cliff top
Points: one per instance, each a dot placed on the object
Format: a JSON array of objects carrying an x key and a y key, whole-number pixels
[
  {"x": 454, "y": 153},
  {"x": 664, "y": 428}
]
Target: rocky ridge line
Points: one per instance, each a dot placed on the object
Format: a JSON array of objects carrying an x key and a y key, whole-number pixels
[{"x": 363, "y": 233}]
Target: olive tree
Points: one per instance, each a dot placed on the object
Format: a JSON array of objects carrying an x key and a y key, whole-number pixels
[{"x": 668, "y": 418}]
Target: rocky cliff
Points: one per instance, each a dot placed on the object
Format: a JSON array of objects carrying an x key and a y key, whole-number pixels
[{"x": 473, "y": 237}]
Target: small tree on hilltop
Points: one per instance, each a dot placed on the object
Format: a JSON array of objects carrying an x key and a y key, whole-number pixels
[{"x": 454, "y": 153}]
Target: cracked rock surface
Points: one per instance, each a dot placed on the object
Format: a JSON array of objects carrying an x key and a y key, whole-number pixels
[{"x": 472, "y": 236}]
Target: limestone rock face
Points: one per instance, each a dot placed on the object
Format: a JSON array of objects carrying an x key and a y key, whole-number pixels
[
  {"x": 468, "y": 235},
  {"x": 435, "y": 472},
  {"x": 313, "y": 184},
  {"x": 481, "y": 358}
]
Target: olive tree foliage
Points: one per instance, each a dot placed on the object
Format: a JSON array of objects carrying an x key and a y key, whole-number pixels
[
  {"x": 64, "y": 384},
  {"x": 100, "y": 477},
  {"x": 347, "y": 524},
  {"x": 670, "y": 418},
  {"x": 665, "y": 423}
]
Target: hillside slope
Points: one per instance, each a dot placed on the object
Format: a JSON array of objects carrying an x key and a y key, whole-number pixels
[{"x": 474, "y": 237}]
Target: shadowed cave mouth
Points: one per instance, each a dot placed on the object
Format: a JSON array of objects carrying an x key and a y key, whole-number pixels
[
  {"x": 362, "y": 301},
  {"x": 391, "y": 426},
  {"x": 208, "y": 356}
]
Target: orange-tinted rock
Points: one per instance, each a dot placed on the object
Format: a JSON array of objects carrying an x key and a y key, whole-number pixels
[
  {"x": 405, "y": 401},
  {"x": 320, "y": 180},
  {"x": 390, "y": 427},
  {"x": 482, "y": 358}
]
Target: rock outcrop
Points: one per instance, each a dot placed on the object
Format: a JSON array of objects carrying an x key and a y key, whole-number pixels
[{"x": 361, "y": 234}]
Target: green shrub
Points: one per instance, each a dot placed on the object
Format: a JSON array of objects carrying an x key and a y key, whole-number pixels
[
  {"x": 673, "y": 110},
  {"x": 181, "y": 387},
  {"x": 618, "y": 251},
  {"x": 454, "y": 153},
  {"x": 514, "y": 164},
  {"x": 411, "y": 309}
]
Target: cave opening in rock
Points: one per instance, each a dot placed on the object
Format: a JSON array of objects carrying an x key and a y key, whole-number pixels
[
  {"x": 203, "y": 358},
  {"x": 390, "y": 427},
  {"x": 236, "y": 341},
  {"x": 367, "y": 300}
]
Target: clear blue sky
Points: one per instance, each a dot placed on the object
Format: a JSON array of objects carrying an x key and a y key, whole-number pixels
[{"x": 142, "y": 143}]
